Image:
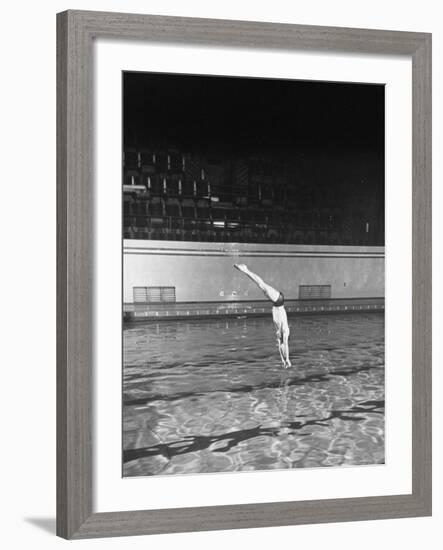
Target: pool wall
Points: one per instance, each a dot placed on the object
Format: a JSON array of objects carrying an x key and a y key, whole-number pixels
[{"x": 203, "y": 274}]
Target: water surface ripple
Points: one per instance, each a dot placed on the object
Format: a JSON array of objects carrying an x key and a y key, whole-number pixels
[{"x": 212, "y": 396}]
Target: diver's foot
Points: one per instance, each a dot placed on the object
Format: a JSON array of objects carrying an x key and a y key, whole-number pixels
[
  {"x": 288, "y": 364},
  {"x": 241, "y": 267}
]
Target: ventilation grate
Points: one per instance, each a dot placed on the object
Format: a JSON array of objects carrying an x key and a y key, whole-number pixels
[
  {"x": 154, "y": 294},
  {"x": 314, "y": 292}
]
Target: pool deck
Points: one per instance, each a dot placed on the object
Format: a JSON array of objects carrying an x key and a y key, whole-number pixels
[{"x": 197, "y": 310}]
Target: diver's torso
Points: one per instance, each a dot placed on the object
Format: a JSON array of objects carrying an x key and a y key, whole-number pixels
[{"x": 280, "y": 318}]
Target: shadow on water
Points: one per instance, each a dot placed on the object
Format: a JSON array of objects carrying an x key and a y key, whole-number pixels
[
  {"x": 247, "y": 388},
  {"x": 212, "y": 396},
  {"x": 198, "y": 443}
]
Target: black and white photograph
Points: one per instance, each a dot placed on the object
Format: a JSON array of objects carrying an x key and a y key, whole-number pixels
[{"x": 253, "y": 233}]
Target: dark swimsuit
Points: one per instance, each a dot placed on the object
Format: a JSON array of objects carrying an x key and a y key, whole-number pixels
[{"x": 280, "y": 301}]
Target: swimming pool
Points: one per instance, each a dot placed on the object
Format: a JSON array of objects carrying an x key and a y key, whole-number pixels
[{"x": 212, "y": 396}]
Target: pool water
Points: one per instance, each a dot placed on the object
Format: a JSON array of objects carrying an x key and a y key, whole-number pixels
[{"x": 212, "y": 395}]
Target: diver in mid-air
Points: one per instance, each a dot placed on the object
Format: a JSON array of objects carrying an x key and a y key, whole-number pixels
[{"x": 278, "y": 312}]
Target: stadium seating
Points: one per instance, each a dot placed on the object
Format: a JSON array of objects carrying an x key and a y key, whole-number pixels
[{"x": 172, "y": 195}]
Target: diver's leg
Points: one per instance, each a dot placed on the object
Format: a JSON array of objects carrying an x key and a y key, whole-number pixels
[{"x": 270, "y": 292}]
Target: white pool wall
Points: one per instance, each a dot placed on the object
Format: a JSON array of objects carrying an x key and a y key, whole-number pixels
[{"x": 203, "y": 272}]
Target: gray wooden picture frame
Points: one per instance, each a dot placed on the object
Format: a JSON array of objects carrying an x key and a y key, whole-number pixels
[{"x": 76, "y": 31}]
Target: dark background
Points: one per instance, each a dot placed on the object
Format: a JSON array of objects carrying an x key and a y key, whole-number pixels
[
  {"x": 226, "y": 115},
  {"x": 328, "y": 136}
]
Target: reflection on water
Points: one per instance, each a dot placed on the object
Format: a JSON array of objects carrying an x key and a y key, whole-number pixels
[{"x": 212, "y": 396}]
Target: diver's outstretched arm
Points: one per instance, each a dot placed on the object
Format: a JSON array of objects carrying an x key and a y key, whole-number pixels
[
  {"x": 285, "y": 346},
  {"x": 270, "y": 292},
  {"x": 280, "y": 350}
]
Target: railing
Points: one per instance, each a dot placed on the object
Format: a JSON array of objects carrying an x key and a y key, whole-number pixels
[{"x": 233, "y": 230}]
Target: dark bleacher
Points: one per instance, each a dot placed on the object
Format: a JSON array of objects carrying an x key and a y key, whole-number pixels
[{"x": 170, "y": 195}]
